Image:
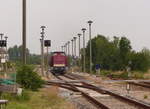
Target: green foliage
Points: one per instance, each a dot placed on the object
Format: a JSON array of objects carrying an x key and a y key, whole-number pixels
[
  {"x": 138, "y": 75},
  {"x": 140, "y": 61},
  {"x": 15, "y": 53},
  {"x": 34, "y": 59},
  {"x": 25, "y": 96},
  {"x": 28, "y": 78},
  {"x": 116, "y": 54},
  {"x": 105, "y": 73}
]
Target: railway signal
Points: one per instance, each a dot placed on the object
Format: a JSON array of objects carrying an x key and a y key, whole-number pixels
[
  {"x": 1, "y": 34},
  {"x": 3, "y": 43},
  {"x": 47, "y": 43},
  {"x": 42, "y": 49},
  {"x": 4, "y": 58}
]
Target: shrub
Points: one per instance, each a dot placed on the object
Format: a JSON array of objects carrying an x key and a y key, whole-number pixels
[{"x": 28, "y": 79}]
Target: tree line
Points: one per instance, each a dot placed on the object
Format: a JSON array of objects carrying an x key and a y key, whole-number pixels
[
  {"x": 15, "y": 55},
  {"x": 117, "y": 54}
]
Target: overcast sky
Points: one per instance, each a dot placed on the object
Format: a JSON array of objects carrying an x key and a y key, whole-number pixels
[{"x": 65, "y": 18}]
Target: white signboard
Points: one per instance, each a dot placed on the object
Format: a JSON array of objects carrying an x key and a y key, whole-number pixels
[{"x": 3, "y": 60}]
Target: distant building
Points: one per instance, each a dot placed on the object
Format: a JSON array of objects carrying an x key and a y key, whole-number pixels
[{"x": 3, "y": 55}]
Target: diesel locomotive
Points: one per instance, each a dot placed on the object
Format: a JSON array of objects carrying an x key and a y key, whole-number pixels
[{"x": 58, "y": 63}]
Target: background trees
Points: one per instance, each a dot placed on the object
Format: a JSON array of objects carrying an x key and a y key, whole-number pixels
[
  {"x": 117, "y": 54},
  {"x": 15, "y": 55}
]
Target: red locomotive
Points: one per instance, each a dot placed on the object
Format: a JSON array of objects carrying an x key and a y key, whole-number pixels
[{"x": 58, "y": 63}]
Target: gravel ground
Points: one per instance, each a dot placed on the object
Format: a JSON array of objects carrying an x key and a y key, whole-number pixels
[
  {"x": 78, "y": 101},
  {"x": 81, "y": 103},
  {"x": 135, "y": 91},
  {"x": 113, "y": 103}
]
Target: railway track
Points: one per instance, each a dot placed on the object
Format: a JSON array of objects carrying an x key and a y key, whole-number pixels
[
  {"x": 74, "y": 87},
  {"x": 145, "y": 85}
]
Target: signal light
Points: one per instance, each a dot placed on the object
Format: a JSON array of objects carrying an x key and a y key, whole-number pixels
[
  {"x": 47, "y": 43},
  {"x": 3, "y": 43}
]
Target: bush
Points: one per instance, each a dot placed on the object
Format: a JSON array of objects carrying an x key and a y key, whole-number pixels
[{"x": 28, "y": 79}]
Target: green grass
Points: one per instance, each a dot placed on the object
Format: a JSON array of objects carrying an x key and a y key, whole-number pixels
[{"x": 44, "y": 99}]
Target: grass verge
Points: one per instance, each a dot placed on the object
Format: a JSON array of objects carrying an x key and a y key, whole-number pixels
[{"x": 44, "y": 99}]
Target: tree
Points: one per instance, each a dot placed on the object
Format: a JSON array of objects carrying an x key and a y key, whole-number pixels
[
  {"x": 116, "y": 54},
  {"x": 125, "y": 49},
  {"x": 15, "y": 55}
]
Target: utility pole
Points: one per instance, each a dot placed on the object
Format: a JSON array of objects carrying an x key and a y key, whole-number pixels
[
  {"x": 68, "y": 48},
  {"x": 90, "y": 22},
  {"x": 79, "y": 35},
  {"x": 42, "y": 50},
  {"x": 72, "y": 48},
  {"x": 62, "y": 48},
  {"x": 75, "y": 46},
  {"x": 83, "y": 30},
  {"x": 24, "y": 31},
  {"x": 47, "y": 57}
]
